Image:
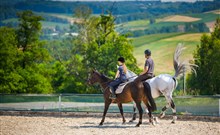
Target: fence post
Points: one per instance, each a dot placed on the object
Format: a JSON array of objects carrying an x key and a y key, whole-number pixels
[
  {"x": 219, "y": 108},
  {"x": 184, "y": 85},
  {"x": 60, "y": 102}
]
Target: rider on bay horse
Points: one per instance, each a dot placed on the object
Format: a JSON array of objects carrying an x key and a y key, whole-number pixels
[{"x": 120, "y": 77}]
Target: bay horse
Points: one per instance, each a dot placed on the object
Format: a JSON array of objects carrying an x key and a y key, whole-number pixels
[
  {"x": 131, "y": 92},
  {"x": 165, "y": 84}
]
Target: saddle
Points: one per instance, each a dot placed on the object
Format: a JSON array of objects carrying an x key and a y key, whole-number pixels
[
  {"x": 130, "y": 77},
  {"x": 120, "y": 88}
]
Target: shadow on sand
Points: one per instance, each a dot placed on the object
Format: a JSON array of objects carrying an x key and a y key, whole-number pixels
[{"x": 107, "y": 125}]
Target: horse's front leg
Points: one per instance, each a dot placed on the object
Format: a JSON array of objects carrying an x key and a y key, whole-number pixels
[
  {"x": 104, "y": 113},
  {"x": 134, "y": 112},
  {"x": 122, "y": 113}
]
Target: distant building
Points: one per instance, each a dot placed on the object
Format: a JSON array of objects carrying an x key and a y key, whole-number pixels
[{"x": 72, "y": 34}]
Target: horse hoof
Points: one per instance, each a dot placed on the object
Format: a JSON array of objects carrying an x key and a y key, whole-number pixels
[
  {"x": 156, "y": 120},
  {"x": 131, "y": 121},
  {"x": 153, "y": 123},
  {"x": 100, "y": 124},
  {"x": 173, "y": 122},
  {"x": 162, "y": 115},
  {"x": 138, "y": 125},
  {"x": 123, "y": 122}
]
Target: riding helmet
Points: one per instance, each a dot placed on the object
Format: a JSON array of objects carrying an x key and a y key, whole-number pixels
[{"x": 121, "y": 59}]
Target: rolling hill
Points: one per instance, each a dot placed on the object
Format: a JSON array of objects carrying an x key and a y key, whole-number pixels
[{"x": 163, "y": 47}]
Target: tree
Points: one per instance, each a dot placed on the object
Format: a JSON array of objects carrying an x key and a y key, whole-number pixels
[
  {"x": 28, "y": 33},
  {"x": 32, "y": 55},
  {"x": 9, "y": 78},
  {"x": 207, "y": 57},
  {"x": 98, "y": 46}
]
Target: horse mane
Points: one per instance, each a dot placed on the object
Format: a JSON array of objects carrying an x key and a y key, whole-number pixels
[{"x": 105, "y": 78}]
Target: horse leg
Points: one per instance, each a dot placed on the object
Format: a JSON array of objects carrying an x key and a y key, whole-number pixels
[
  {"x": 174, "y": 111},
  {"x": 162, "y": 114},
  {"x": 121, "y": 111},
  {"x": 134, "y": 113},
  {"x": 104, "y": 113},
  {"x": 140, "y": 113},
  {"x": 152, "y": 119}
]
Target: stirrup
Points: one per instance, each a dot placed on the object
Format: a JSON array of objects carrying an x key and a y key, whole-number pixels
[{"x": 112, "y": 96}]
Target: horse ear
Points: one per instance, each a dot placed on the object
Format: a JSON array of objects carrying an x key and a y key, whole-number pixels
[{"x": 93, "y": 70}]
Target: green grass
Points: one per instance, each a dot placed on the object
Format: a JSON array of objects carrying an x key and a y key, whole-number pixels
[
  {"x": 159, "y": 25},
  {"x": 163, "y": 47},
  {"x": 161, "y": 101},
  {"x": 135, "y": 25},
  {"x": 153, "y": 38},
  {"x": 205, "y": 17},
  {"x": 192, "y": 105}
]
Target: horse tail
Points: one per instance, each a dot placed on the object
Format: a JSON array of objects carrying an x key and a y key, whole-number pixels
[
  {"x": 147, "y": 91},
  {"x": 181, "y": 66}
]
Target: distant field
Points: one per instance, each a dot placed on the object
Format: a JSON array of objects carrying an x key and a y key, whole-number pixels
[
  {"x": 47, "y": 24},
  {"x": 172, "y": 20},
  {"x": 135, "y": 25},
  {"x": 180, "y": 18},
  {"x": 205, "y": 17},
  {"x": 163, "y": 49}
]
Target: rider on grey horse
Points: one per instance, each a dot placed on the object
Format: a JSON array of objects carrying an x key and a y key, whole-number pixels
[{"x": 148, "y": 67}]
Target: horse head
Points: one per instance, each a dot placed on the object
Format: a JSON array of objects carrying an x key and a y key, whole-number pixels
[{"x": 94, "y": 77}]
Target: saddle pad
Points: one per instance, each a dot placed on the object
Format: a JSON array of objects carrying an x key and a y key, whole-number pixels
[{"x": 120, "y": 88}]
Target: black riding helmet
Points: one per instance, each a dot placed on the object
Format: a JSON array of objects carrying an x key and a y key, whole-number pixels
[
  {"x": 147, "y": 52},
  {"x": 121, "y": 59}
]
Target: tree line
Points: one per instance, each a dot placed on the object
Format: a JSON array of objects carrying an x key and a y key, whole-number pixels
[
  {"x": 125, "y": 11},
  {"x": 187, "y": 27}
]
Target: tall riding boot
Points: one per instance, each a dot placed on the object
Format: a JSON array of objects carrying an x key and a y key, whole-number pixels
[{"x": 112, "y": 96}]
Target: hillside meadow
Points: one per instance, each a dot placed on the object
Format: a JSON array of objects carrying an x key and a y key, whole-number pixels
[{"x": 163, "y": 47}]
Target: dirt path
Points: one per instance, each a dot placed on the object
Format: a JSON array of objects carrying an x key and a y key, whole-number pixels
[{"x": 23, "y": 125}]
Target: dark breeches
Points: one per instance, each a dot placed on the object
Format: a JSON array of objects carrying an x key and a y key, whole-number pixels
[
  {"x": 144, "y": 77},
  {"x": 114, "y": 84}
]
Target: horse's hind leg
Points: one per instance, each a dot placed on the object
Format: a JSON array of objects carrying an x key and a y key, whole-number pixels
[
  {"x": 104, "y": 113},
  {"x": 149, "y": 112},
  {"x": 162, "y": 114},
  {"x": 140, "y": 113},
  {"x": 174, "y": 111},
  {"x": 134, "y": 113},
  {"x": 121, "y": 111}
]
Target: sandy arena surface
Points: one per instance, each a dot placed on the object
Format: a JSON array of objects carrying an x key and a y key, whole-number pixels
[{"x": 24, "y": 125}]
